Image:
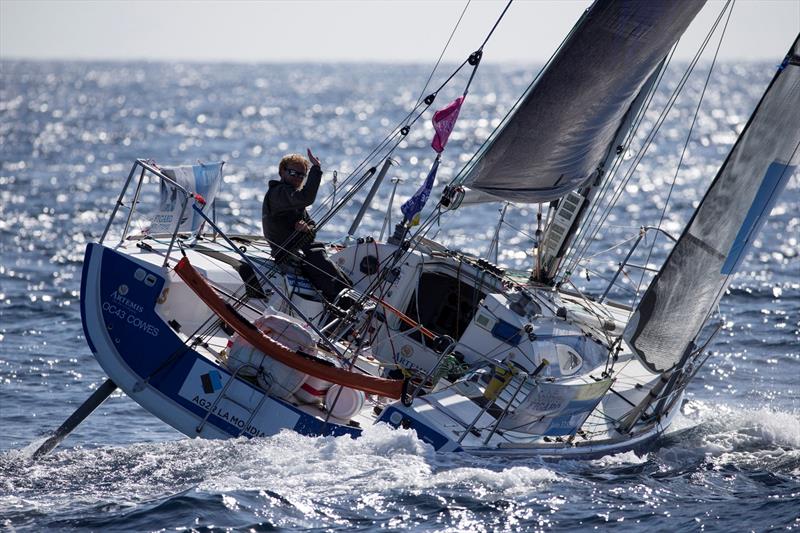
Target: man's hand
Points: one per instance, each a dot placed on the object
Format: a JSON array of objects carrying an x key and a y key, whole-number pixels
[
  {"x": 302, "y": 226},
  {"x": 313, "y": 158}
]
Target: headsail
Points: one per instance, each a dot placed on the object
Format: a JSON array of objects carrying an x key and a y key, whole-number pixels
[
  {"x": 566, "y": 123},
  {"x": 697, "y": 272}
]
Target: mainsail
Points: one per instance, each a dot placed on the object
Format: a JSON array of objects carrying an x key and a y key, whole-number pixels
[
  {"x": 697, "y": 272},
  {"x": 566, "y": 124}
]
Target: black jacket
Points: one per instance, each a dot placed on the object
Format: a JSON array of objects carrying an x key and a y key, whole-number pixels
[{"x": 283, "y": 206}]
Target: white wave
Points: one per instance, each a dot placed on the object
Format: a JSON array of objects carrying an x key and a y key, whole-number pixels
[
  {"x": 729, "y": 427},
  {"x": 382, "y": 460},
  {"x": 776, "y": 427},
  {"x": 302, "y": 471},
  {"x": 368, "y": 471},
  {"x": 721, "y": 434},
  {"x": 621, "y": 459}
]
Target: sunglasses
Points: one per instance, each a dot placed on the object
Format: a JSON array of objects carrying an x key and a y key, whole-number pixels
[{"x": 295, "y": 173}]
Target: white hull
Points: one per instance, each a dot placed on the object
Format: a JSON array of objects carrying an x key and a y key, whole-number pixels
[{"x": 145, "y": 356}]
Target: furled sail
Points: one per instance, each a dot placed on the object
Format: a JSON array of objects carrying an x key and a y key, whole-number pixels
[
  {"x": 697, "y": 272},
  {"x": 565, "y": 125}
]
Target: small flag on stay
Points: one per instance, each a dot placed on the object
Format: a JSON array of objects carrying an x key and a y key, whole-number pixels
[
  {"x": 443, "y": 122},
  {"x": 415, "y": 204}
]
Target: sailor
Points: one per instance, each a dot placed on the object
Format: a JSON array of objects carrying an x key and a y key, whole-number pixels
[{"x": 289, "y": 229}]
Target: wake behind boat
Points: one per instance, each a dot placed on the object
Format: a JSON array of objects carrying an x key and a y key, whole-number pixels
[{"x": 207, "y": 332}]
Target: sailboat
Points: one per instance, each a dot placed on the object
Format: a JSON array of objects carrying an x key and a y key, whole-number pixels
[{"x": 208, "y": 333}]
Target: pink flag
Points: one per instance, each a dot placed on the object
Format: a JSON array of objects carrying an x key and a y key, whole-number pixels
[{"x": 443, "y": 122}]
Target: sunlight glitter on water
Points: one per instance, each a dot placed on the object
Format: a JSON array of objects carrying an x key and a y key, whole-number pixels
[{"x": 70, "y": 132}]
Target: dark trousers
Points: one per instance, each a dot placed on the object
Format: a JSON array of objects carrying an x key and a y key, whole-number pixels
[{"x": 322, "y": 272}]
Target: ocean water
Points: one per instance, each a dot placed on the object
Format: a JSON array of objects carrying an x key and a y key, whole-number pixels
[{"x": 69, "y": 132}]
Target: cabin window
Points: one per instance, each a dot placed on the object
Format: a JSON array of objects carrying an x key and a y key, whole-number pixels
[{"x": 446, "y": 305}]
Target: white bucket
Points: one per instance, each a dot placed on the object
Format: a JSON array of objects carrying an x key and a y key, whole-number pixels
[
  {"x": 313, "y": 390},
  {"x": 349, "y": 403},
  {"x": 279, "y": 379}
]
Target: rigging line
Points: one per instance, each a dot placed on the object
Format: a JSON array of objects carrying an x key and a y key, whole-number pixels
[
  {"x": 583, "y": 242},
  {"x": 601, "y": 276},
  {"x": 363, "y": 180},
  {"x": 587, "y": 258},
  {"x": 593, "y": 311},
  {"x": 520, "y": 231},
  {"x": 374, "y": 285},
  {"x": 386, "y": 141},
  {"x": 447, "y": 44},
  {"x": 476, "y": 56},
  {"x": 210, "y": 325},
  {"x": 651, "y": 136},
  {"x": 461, "y": 175},
  {"x": 620, "y": 226},
  {"x": 581, "y": 245},
  {"x": 401, "y": 254},
  {"x": 495, "y": 24},
  {"x": 269, "y": 271},
  {"x": 397, "y": 129},
  {"x": 685, "y": 147},
  {"x": 384, "y": 268},
  {"x": 453, "y": 75},
  {"x": 381, "y": 145},
  {"x": 362, "y": 165}
]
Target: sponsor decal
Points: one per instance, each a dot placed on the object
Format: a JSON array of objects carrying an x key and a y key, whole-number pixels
[
  {"x": 203, "y": 387},
  {"x": 118, "y": 297},
  {"x": 406, "y": 358},
  {"x": 211, "y": 381},
  {"x": 123, "y": 308},
  {"x": 228, "y": 416}
]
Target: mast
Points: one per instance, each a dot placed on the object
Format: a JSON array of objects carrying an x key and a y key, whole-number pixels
[
  {"x": 564, "y": 134},
  {"x": 571, "y": 209}
]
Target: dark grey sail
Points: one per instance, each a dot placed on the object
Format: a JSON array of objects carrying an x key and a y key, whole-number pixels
[
  {"x": 567, "y": 122},
  {"x": 692, "y": 280}
]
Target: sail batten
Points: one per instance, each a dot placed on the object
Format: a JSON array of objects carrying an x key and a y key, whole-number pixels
[
  {"x": 697, "y": 272},
  {"x": 563, "y": 129}
]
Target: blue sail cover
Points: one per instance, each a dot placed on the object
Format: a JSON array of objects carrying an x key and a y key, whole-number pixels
[
  {"x": 697, "y": 272},
  {"x": 566, "y": 124}
]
